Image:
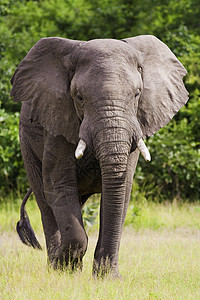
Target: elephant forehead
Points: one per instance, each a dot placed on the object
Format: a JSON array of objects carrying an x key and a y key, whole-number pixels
[
  {"x": 105, "y": 44},
  {"x": 98, "y": 48}
]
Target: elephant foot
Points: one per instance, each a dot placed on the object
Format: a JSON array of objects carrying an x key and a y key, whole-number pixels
[
  {"x": 105, "y": 268},
  {"x": 67, "y": 255},
  {"x": 66, "y": 263}
]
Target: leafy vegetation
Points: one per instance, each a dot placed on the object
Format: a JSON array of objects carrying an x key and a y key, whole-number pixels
[{"x": 175, "y": 168}]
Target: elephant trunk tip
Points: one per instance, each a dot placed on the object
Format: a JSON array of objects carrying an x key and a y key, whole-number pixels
[
  {"x": 144, "y": 151},
  {"x": 80, "y": 149}
]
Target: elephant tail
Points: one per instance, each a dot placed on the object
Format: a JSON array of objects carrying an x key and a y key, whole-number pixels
[{"x": 24, "y": 229}]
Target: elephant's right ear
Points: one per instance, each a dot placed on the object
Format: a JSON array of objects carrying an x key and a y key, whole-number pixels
[{"x": 43, "y": 78}]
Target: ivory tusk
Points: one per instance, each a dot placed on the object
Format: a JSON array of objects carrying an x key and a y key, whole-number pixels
[
  {"x": 80, "y": 149},
  {"x": 143, "y": 149}
]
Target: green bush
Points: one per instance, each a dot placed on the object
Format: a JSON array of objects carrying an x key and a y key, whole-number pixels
[
  {"x": 174, "y": 170},
  {"x": 12, "y": 174}
]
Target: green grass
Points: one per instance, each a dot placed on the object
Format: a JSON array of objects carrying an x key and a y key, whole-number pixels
[
  {"x": 159, "y": 258},
  {"x": 10, "y": 214},
  {"x": 167, "y": 216},
  {"x": 154, "y": 265},
  {"x": 140, "y": 215}
]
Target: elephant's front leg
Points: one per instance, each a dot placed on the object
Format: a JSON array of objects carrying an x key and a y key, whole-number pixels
[
  {"x": 61, "y": 192},
  {"x": 131, "y": 166}
]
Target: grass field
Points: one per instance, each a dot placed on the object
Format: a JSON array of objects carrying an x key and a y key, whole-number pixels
[{"x": 159, "y": 259}]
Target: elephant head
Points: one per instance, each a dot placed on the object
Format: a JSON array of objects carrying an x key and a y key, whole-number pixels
[
  {"x": 67, "y": 79},
  {"x": 107, "y": 96}
]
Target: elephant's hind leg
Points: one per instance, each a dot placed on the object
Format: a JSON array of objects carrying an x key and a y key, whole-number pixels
[{"x": 33, "y": 168}]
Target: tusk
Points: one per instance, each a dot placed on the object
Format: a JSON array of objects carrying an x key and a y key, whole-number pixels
[
  {"x": 80, "y": 149},
  {"x": 143, "y": 149}
]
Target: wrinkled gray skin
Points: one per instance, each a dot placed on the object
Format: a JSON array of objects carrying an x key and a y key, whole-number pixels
[{"x": 110, "y": 94}]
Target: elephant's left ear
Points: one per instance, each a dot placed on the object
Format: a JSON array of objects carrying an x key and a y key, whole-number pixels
[{"x": 163, "y": 92}]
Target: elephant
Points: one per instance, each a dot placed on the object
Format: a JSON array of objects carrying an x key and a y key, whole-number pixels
[{"x": 87, "y": 107}]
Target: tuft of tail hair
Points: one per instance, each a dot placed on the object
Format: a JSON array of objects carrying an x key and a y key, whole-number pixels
[{"x": 24, "y": 229}]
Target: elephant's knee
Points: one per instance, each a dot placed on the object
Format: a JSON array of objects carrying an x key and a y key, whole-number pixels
[
  {"x": 76, "y": 241},
  {"x": 72, "y": 248}
]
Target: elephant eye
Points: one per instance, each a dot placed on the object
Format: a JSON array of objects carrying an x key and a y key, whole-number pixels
[
  {"x": 137, "y": 93},
  {"x": 80, "y": 97},
  {"x": 140, "y": 69}
]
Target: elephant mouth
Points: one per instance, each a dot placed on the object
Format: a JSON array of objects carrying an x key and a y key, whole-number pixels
[{"x": 140, "y": 145}]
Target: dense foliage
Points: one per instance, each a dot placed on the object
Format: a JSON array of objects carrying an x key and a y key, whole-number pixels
[{"x": 175, "y": 167}]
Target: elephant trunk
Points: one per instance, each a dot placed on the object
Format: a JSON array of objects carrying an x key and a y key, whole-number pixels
[
  {"x": 114, "y": 174},
  {"x": 112, "y": 152},
  {"x": 111, "y": 139},
  {"x": 117, "y": 122}
]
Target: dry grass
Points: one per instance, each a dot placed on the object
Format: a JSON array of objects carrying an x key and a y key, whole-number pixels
[
  {"x": 153, "y": 264},
  {"x": 159, "y": 258}
]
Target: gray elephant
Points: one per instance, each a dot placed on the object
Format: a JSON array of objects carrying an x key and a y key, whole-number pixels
[{"x": 86, "y": 108}]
